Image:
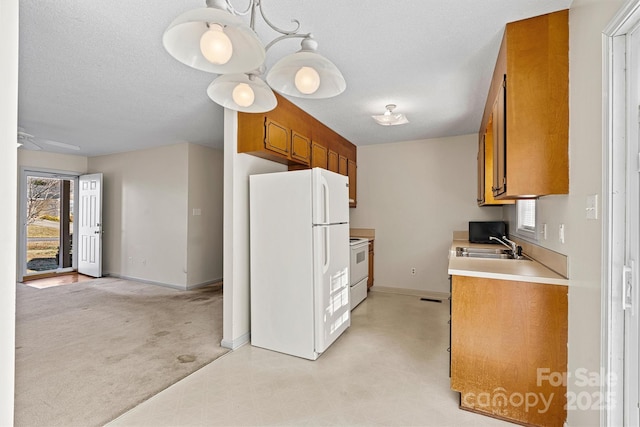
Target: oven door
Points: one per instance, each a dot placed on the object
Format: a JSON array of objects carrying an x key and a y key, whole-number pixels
[{"x": 359, "y": 265}]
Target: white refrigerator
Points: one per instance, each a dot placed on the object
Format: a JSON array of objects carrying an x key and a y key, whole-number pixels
[{"x": 299, "y": 227}]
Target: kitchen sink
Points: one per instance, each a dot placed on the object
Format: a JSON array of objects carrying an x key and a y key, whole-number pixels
[
  {"x": 489, "y": 253},
  {"x": 483, "y": 250}
]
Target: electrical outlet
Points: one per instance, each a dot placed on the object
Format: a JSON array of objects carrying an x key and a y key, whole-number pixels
[{"x": 413, "y": 271}]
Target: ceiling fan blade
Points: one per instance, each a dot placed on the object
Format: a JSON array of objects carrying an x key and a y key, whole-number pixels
[
  {"x": 29, "y": 141},
  {"x": 59, "y": 144},
  {"x": 29, "y": 144},
  {"x": 23, "y": 135}
]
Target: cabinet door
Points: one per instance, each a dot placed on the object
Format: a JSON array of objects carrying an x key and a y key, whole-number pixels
[
  {"x": 276, "y": 137},
  {"x": 502, "y": 333},
  {"x": 481, "y": 166},
  {"x": 500, "y": 142},
  {"x": 342, "y": 165},
  {"x": 318, "y": 156},
  {"x": 300, "y": 148},
  {"x": 351, "y": 173},
  {"x": 332, "y": 161}
]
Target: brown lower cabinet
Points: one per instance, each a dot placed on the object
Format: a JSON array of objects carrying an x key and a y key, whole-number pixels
[{"x": 508, "y": 343}]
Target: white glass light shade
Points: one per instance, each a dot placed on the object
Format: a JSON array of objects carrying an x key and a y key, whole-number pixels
[
  {"x": 182, "y": 40},
  {"x": 221, "y": 91},
  {"x": 307, "y": 80},
  {"x": 389, "y": 118},
  {"x": 243, "y": 95},
  {"x": 282, "y": 76},
  {"x": 215, "y": 45}
]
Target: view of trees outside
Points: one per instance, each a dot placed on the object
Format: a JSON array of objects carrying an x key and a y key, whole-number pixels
[{"x": 43, "y": 223}]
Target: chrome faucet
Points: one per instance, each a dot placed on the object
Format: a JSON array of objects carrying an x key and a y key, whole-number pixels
[{"x": 515, "y": 249}]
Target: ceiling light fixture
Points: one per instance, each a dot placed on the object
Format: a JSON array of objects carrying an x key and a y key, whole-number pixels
[
  {"x": 216, "y": 40},
  {"x": 389, "y": 118}
]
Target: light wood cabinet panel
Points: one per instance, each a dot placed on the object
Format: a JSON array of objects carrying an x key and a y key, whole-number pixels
[
  {"x": 529, "y": 102},
  {"x": 332, "y": 161},
  {"x": 300, "y": 148},
  {"x": 499, "y": 144},
  {"x": 277, "y": 137},
  {"x": 343, "y": 165},
  {"x": 502, "y": 332},
  {"x": 481, "y": 171},
  {"x": 352, "y": 174},
  {"x": 290, "y": 136},
  {"x": 486, "y": 173},
  {"x": 318, "y": 155}
]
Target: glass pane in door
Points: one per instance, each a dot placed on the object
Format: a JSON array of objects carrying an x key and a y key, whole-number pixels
[{"x": 49, "y": 224}]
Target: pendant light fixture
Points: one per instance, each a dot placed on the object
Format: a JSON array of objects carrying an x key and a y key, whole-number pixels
[
  {"x": 389, "y": 118},
  {"x": 242, "y": 92},
  {"x": 306, "y": 74},
  {"x": 214, "y": 39}
]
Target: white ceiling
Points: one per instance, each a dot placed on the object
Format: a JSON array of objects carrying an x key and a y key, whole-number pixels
[{"x": 95, "y": 73}]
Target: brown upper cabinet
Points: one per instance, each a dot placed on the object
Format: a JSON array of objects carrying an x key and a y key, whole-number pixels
[
  {"x": 528, "y": 111},
  {"x": 300, "y": 148},
  {"x": 290, "y": 136},
  {"x": 342, "y": 165},
  {"x": 332, "y": 161},
  {"x": 319, "y": 158},
  {"x": 485, "y": 168},
  {"x": 277, "y": 138},
  {"x": 272, "y": 139}
]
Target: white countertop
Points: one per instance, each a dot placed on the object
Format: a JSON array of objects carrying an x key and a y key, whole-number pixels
[{"x": 501, "y": 269}]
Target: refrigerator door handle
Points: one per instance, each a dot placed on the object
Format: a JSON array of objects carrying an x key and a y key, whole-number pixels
[
  {"x": 327, "y": 252},
  {"x": 325, "y": 196}
]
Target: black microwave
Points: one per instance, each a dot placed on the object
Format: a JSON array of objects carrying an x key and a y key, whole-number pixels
[{"x": 479, "y": 231}]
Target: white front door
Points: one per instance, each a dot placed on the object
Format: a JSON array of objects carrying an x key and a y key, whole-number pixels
[
  {"x": 630, "y": 282},
  {"x": 90, "y": 225},
  {"x": 620, "y": 397}
]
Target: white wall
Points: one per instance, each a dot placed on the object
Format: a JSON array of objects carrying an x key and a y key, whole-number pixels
[
  {"x": 8, "y": 195},
  {"x": 583, "y": 242},
  {"x": 415, "y": 194},
  {"x": 204, "y": 235},
  {"x": 237, "y": 168},
  {"x": 145, "y": 214},
  {"x": 52, "y": 161}
]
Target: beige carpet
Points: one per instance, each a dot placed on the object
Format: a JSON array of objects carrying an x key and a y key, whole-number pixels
[{"x": 88, "y": 352}]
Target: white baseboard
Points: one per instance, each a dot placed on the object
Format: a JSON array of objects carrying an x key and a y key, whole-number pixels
[
  {"x": 411, "y": 292},
  {"x": 236, "y": 343},
  {"x": 216, "y": 282}
]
